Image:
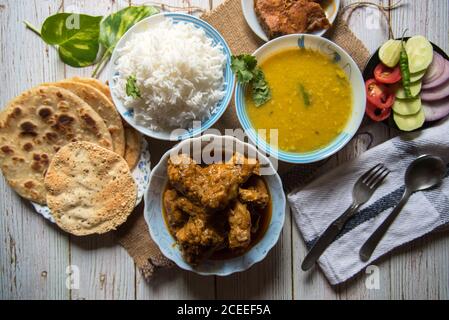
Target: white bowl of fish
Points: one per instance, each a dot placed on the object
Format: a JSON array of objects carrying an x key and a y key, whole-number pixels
[
  {"x": 215, "y": 205},
  {"x": 170, "y": 77},
  {"x": 300, "y": 16}
]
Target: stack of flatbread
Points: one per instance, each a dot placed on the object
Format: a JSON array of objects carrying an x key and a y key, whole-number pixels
[{"x": 64, "y": 144}]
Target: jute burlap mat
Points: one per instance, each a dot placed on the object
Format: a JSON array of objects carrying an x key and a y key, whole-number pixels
[{"x": 229, "y": 21}]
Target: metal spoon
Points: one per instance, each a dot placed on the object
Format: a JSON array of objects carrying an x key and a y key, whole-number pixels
[{"x": 423, "y": 173}]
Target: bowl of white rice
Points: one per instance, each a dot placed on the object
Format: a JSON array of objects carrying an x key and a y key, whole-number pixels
[{"x": 171, "y": 76}]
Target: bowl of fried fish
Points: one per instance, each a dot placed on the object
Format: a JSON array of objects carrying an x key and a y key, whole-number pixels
[
  {"x": 215, "y": 205},
  {"x": 270, "y": 19}
]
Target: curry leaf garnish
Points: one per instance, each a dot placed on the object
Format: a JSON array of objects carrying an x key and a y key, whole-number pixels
[
  {"x": 131, "y": 87},
  {"x": 246, "y": 70},
  {"x": 76, "y": 36},
  {"x": 305, "y": 95},
  {"x": 114, "y": 26}
]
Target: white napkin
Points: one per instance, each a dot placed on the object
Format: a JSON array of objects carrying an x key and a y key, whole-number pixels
[{"x": 321, "y": 202}]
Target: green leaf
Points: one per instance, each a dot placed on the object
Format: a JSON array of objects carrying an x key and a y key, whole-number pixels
[
  {"x": 260, "y": 88},
  {"x": 243, "y": 67},
  {"x": 114, "y": 26},
  {"x": 131, "y": 87},
  {"x": 76, "y": 36}
]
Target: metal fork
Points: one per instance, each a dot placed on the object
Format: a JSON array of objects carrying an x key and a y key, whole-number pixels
[{"x": 361, "y": 193}]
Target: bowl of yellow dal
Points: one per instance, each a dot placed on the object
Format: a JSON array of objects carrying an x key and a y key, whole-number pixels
[{"x": 317, "y": 99}]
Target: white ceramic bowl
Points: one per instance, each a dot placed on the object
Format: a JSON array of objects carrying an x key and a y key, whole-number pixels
[
  {"x": 202, "y": 146},
  {"x": 331, "y": 11},
  {"x": 229, "y": 79},
  {"x": 340, "y": 57}
]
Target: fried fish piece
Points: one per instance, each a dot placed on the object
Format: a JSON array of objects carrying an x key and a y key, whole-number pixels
[
  {"x": 239, "y": 226},
  {"x": 281, "y": 17},
  {"x": 214, "y": 186}
]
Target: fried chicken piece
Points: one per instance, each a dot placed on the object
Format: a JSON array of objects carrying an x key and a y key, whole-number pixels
[
  {"x": 199, "y": 238},
  {"x": 256, "y": 193},
  {"x": 214, "y": 186},
  {"x": 195, "y": 230},
  {"x": 179, "y": 208},
  {"x": 239, "y": 226},
  {"x": 190, "y": 208},
  {"x": 198, "y": 231},
  {"x": 176, "y": 218},
  {"x": 281, "y": 17}
]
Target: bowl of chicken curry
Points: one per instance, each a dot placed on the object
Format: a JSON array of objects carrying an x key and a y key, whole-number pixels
[
  {"x": 215, "y": 205},
  {"x": 315, "y": 99}
]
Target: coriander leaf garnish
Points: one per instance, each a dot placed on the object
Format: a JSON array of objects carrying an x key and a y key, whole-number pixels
[
  {"x": 131, "y": 87},
  {"x": 261, "y": 91},
  {"x": 245, "y": 68}
]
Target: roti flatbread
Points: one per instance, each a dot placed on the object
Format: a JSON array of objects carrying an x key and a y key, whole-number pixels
[
  {"x": 97, "y": 84},
  {"x": 34, "y": 126},
  {"x": 101, "y": 104},
  {"x": 89, "y": 189},
  {"x": 133, "y": 146},
  {"x": 133, "y": 138}
]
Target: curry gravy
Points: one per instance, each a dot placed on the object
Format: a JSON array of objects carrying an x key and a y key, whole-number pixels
[
  {"x": 263, "y": 224},
  {"x": 311, "y": 100}
]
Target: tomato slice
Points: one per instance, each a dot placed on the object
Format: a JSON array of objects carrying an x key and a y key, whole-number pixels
[
  {"x": 379, "y": 95},
  {"x": 377, "y": 114},
  {"x": 387, "y": 75}
]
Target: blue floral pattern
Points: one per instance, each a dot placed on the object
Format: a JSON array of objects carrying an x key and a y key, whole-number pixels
[{"x": 163, "y": 238}]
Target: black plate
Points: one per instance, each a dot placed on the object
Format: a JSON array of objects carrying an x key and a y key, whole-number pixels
[{"x": 368, "y": 73}]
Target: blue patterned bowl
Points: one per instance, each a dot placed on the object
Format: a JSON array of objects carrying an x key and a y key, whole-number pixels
[
  {"x": 339, "y": 56},
  {"x": 202, "y": 147},
  {"x": 229, "y": 80}
]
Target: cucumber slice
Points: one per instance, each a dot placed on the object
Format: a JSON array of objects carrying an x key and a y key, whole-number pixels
[
  {"x": 414, "y": 77},
  {"x": 420, "y": 53},
  {"x": 410, "y": 123},
  {"x": 407, "y": 107},
  {"x": 390, "y": 52},
  {"x": 415, "y": 89}
]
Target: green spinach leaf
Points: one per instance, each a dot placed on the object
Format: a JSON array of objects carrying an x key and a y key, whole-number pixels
[{"x": 76, "y": 36}]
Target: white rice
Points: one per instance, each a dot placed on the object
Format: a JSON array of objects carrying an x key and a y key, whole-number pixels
[{"x": 179, "y": 72}]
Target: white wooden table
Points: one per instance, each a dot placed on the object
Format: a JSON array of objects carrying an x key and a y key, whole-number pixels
[{"x": 34, "y": 254}]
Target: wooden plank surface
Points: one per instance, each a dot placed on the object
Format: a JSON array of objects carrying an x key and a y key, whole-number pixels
[{"x": 34, "y": 254}]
